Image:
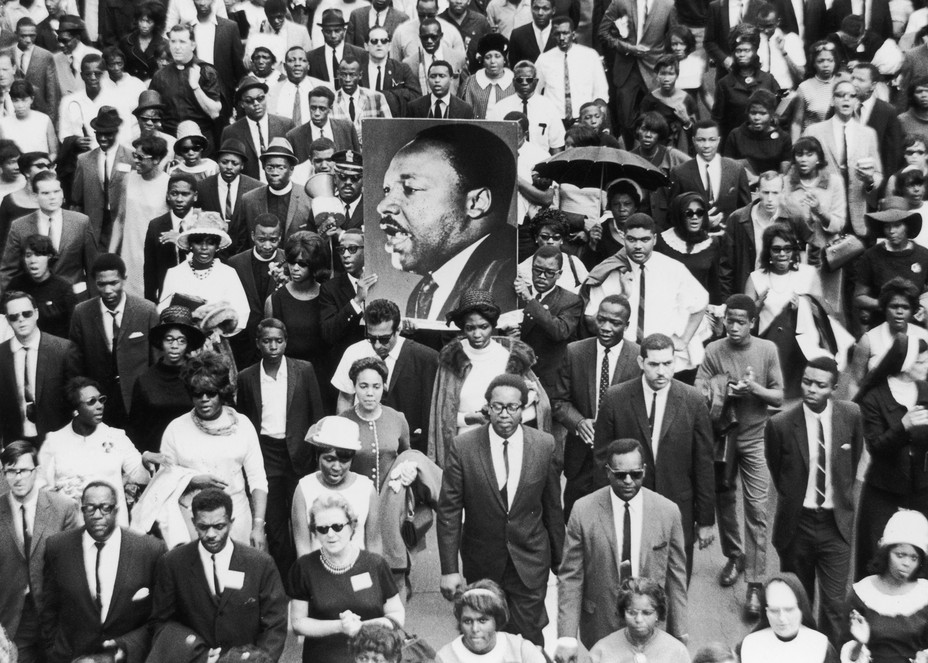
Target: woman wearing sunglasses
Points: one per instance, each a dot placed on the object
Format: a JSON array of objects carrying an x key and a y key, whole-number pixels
[
  {"x": 336, "y": 441},
  {"x": 88, "y": 450},
  {"x": 688, "y": 241},
  {"x": 340, "y": 587},
  {"x": 297, "y": 303},
  {"x": 220, "y": 445}
]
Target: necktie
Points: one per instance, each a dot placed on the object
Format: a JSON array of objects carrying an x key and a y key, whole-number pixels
[
  {"x": 338, "y": 83},
  {"x": 297, "y": 107},
  {"x": 228, "y": 205},
  {"x": 653, "y": 413},
  {"x": 261, "y": 142},
  {"x": 525, "y": 113},
  {"x": 115, "y": 328},
  {"x": 351, "y": 113},
  {"x": 710, "y": 192},
  {"x": 217, "y": 592},
  {"x": 99, "y": 587},
  {"x": 639, "y": 328},
  {"x": 420, "y": 302},
  {"x": 846, "y": 174},
  {"x": 28, "y": 396},
  {"x": 436, "y": 111},
  {"x": 820, "y": 473},
  {"x": 504, "y": 491},
  {"x": 379, "y": 78},
  {"x": 603, "y": 378},
  {"x": 377, "y": 23},
  {"x": 568, "y": 108},
  {"x": 347, "y": 213},
  {"x": 106, "y": 195},
  {"x": 625, "y": 568},
  {"x": 27, "y": 537}
]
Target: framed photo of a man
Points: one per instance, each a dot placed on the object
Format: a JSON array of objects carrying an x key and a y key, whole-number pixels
[{"x": 440, "y": 217}]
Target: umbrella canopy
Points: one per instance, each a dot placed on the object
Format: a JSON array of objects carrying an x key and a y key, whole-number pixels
[{"x": 597, "y": 166}]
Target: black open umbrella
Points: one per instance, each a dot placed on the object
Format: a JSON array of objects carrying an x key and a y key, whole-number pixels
[{"x": 597, "y": 166}]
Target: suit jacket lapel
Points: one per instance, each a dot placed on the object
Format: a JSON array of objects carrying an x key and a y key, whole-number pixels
[
  {"x": 291, "y": 383},
  {"x": 802, "y": 435},
  {"x": 122, "y": 570},
  {"x": 248, "y": 280},
  {"x": 43, "y": 507},
  {"x": 670, "y": 410},
  {"x": 528, "y": 463},
  {"x": 592, "y": 386},
  {"x": 486, "y": 459},
  {"x": 641, "y": 414},
  {"x": 6, "y": 522},
  {"x": 625, "y": 358},
  {"x": 647, "y": 533},
  {"x": 607, "y": 527}
]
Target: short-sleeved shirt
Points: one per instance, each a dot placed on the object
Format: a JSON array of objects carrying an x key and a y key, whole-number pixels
[
  {"x": 761, "y": 355},
  {"x": 178, "y": 97},
  {"x": 362, "y": 590}
]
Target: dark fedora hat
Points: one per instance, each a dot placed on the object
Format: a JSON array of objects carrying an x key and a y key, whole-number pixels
[
  {"x": 332, "y": 18},
  {"x": 248, "y": 82},
  {"x": 177, "y": 317},
  {"x": 107, "y": 119},
  {"x": 233, "y": 146},
  {"x": 70, "y": 23},
  {"x": 148, "y": 99}
]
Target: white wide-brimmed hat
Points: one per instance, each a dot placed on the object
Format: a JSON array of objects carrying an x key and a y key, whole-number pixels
[
  {"x": 335, "y": 432},
  {"x": 199, "y": 222}
]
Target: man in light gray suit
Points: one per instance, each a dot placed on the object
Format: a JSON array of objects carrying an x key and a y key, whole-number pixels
[{"x": 604, "y": 546}]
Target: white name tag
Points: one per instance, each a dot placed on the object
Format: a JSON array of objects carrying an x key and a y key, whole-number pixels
[
  {"x": 362, "y": 581},
  {"x": 233, "y": 580},
  {"x": 123, "y": 167}
]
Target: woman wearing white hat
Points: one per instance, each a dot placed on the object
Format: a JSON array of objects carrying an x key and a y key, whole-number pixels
[
  {"x": 336, "y": 441},
  {"x": 202, "y": 275},
  {"x": 889, "y": 610}
]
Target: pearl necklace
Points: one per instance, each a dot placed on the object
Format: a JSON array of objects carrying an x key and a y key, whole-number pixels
[
  {"x": 336, "y": 569},
  {"x": 202, "y": 274},
  {"x": 372, "y": 425}
]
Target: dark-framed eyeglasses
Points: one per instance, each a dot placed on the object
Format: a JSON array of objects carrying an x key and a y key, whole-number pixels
[
  {"x": 383, "y": 340},
  {"x": 335, "y": 527},
  {"x": 524, "y": 80},
  {"x": 550, "y": 237},
  {"x": 350, "y": 249},
  {"x": 694, "y": 213},
  {"x": 90, "y": 509},
  {"x": 302, "y": 263},
  {"x": 15, "y": 473},
  {"x": 208, "y": 393},
  {"x": 150, "y": 118},
  {"x": 782, "y": 249},
  {"x": 251, "y": 101},
  {"x": 511, "y": 408},
  {"x": 547, "y": 273},
  {"x": 379, "y": 42},
  {"x": 349, "y": 177},
  {"x": 25, "y": 315},
  {"x": 93, "y": 400},
  {"x": 636, "y": 475}
]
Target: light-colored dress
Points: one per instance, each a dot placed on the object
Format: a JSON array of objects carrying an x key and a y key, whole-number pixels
[
  {"x": 206, "y": 168},
  {"x": 231, "y": 458},
  {"x": 661, "y": 648},
  {"x": 145, "y": 200},
  {"x": 221, "y": 284},
  {"x": 31, "y": 134},
  {"x": 358, "y": 495},
  {"x": 509, "y": 648},
  {"x": 780, "y": 289},
  {"x": 765, "y": 647},
  {"x": 486, "y": 364},
  {"x": 68, "y": 462}
]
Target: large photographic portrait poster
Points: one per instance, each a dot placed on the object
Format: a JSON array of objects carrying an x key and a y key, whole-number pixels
[{"x": 440, "y": 213}]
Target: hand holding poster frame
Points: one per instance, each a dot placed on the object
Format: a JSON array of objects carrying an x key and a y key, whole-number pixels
[{"x": 440, "y": 213}]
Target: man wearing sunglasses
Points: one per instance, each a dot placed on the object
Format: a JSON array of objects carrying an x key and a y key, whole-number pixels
[
  {"x": 116, "y": 566},
  {"x": 622, "y": 520},
  {"x": 751, "y": 368},
  {"x": 34, "y": 368},
  {"x": 33, "y": 514},
  {"x": 349, "y": 173},
  {"x": 500, "y": 508},
  {"x": 342, "y": 297},
  {"x": 383, "y": 74}
]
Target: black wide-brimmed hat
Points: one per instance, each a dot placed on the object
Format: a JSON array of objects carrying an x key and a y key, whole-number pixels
[
  {"x": 474, "y": 300},
  {"x": 177, "y": 317}
]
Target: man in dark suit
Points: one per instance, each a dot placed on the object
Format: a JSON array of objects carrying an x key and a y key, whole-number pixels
[
  {"x": 589, "y": 368},
  {"x": 29, "y": 515},
  {"x": 444, "y": 153},
  {"x": 106, "y": 609},
  {"x": 34, "y": 400},
  {"x": 524, "y": 40},
  {"x": 500, "y": 508},
  {"x": 386, "y": 16},
  {"x": 324, "y": 60},
  {"x": 550, "y": 313},
  {"x": 228, "y": 51},
  {"x": 321, "y": 125},
  {"x": 39, "y": 69},
  {"x": 814, "y": 520},
  {"x": 348, "y": 168},
  {"x": 440, "y": 102},
  {"x": 672, "y": 422},
  {"x": 70, "y": 232},
  {"x": 648, "y": 545},
  {"x": 257, "y": 128},
  {"x": 281, "y": 398},
  {"x": 110, "y": 333},
  {"x": 290, "y": 204},
  {"x": 223, "y": 192},
  {"x": 813, "y": 27},
  {"x": 252, "y": 266},
  {"x": 879, "y": 115},
  {"x": 412, "y": 368},
  {"x": 223, "y": 593},
  {"x": 394, "y": 79},
  {"x": 161, "y": 251},
  {"x": 722, "y": 182},
  {"x": 876, "y": 13},
  {"x": 342, "y": 298}
]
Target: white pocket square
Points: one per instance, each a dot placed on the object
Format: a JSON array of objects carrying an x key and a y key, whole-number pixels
[
  {"x": 141, "y": 594},
  {"x": 136, "y": 335},
  {"x": 846, "y": 447}
]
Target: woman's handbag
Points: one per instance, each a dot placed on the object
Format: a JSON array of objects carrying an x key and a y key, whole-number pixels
[
  {"x": 416, "y": 522},
  {"x": 841, "y": 251}
]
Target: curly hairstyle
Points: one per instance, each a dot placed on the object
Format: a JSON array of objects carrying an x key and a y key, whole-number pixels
[
  {"x": 368, "y": 363},
  {"x": 309, "y": 246},
  {"x": 643, "y": 587},
  {"x": 778, "y": 231},
  {"x": 208, "y": 371},
  {"x": 485, "y": 597},
  {"x": 898, "y": 287}
]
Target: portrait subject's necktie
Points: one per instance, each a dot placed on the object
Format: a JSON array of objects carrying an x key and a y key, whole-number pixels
[{"x": 420, "y": 301}]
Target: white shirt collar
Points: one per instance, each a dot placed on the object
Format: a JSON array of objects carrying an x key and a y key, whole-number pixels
[
  {"x": 447, "y": 275},
  {"x": 88, "y": 542},
  {"x": 32, "y": 343},
  {"x": 618, "y": 504},
  {"x": 281, "y": 373},
  {"x": 120, "y": 307},
  {"x": 648, "y": 391},
  {"x": 281, "y": 192},
  {"x": 223, "y": 557},
  {"x": 30, "y": 501}
]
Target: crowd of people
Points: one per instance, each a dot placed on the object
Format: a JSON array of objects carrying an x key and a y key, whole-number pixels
[{"x": 221, "y": 428}]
